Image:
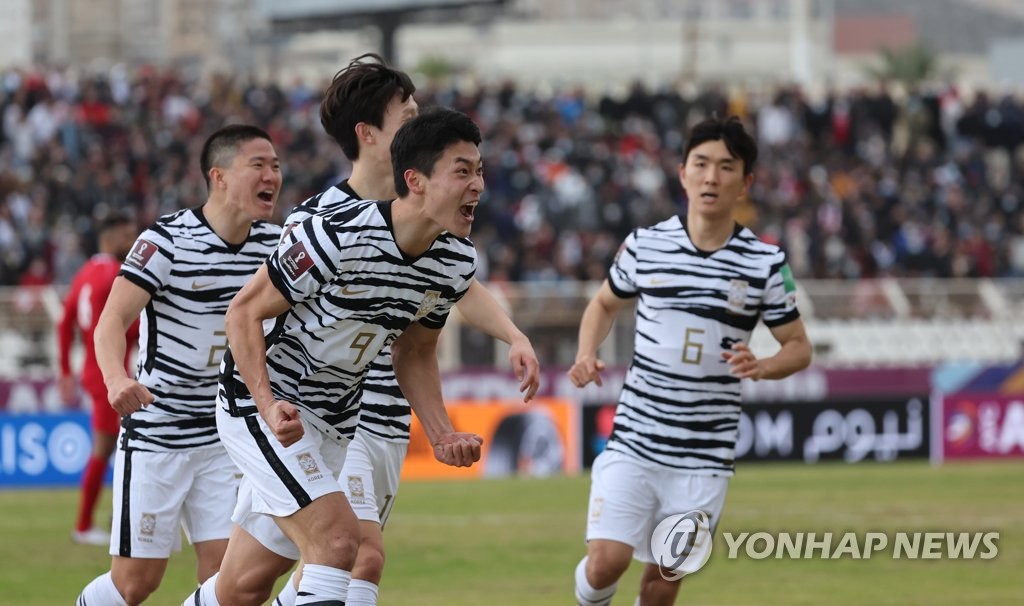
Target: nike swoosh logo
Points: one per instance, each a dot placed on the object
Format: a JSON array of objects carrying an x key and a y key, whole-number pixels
[
  {"x": 349, "y": 292},
  {"x": 201, "y": 285}
]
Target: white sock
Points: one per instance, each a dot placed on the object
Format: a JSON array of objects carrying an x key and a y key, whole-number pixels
[
  {"x": 362, "y": 593},
  {"x": 205, "y": 595},
  {"x": 323, "y": 586},
  {"x": 288, "y": 593},
  {"x": 101, "y": 592},
  {"x": 587, "y": 595}
]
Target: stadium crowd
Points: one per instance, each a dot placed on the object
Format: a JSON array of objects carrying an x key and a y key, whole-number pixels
[{"x": 856, "y": 183}]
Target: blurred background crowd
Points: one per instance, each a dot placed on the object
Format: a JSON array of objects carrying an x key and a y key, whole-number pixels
[{"x": 854, "y": 183}]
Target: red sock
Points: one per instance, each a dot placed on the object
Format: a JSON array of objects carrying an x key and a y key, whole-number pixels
[{"x": 92, "y": 483}]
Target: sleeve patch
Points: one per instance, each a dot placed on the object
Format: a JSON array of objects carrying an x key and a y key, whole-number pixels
[
  {"x": 296, "y": 261},
  {"x": 141, "y": 253}
]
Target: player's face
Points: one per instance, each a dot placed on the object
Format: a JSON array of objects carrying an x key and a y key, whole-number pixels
[
  {"x": 254, "y": 179},
  {"x": 713, "y": 179},
  {"x": 454, "y": 188},
  {"x": 121, "y": 240},
  {"x": 397, "y": 113}
]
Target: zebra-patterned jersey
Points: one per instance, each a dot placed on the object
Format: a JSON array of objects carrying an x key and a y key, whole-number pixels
[
  {"x": 353, "y": 291},
  {"x": 191, "y": 275},
  {"x": 384, "y": 411},
  {"x": 680, "y": 406}
]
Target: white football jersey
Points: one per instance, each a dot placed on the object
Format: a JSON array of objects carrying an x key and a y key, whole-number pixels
[
  {"x": 680, "y": 406},
  {"x": 191, "y": 275}
]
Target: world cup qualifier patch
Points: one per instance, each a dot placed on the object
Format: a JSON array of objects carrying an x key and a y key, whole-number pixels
[
  {"x": 296, "y": 261},
  {"x": 141, "y": 253}
]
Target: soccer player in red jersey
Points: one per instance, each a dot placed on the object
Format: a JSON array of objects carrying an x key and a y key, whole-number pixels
[{"x": 82, "y": 307}]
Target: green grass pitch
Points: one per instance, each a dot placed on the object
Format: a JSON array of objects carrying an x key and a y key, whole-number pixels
[{"x": 516, "y": 542}]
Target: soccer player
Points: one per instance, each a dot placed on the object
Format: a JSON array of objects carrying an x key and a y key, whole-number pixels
[
  {"x": 701, "y": 283},
  {"x": 342, "y": 287},
  {"x": 362, "y": 109},
  {"x": 171, "y": 468},
  {"x": 82, "y": 306}
]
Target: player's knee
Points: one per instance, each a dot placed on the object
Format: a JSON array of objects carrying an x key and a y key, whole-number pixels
[
  {"x": 136, "y": 590},
  {"x": 254, "y": 593},
  {"x": 655, "y": 590},
  {"x": 337, "y": 551},
  {"x": 604, "y": 567},
  {"x": 370, "y": 561}
]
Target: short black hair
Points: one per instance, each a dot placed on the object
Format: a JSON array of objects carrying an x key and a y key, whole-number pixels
[
  {"x": 220, "y": 148},
  {"x": 731, "y": 132},
  {"x": 361, "y": 92},
  {"x": 113, "y": 220},
  {"x": 420, "y": 142}
]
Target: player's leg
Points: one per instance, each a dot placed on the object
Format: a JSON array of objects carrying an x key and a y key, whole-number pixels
[
  {"x": 258, "y": 553},
  {"x": 206, "y": 512},
  {"x": 370, "y": 479},
  {"x": 680, "y": 493},
  {"x": 149, "y": 489},
  {"x": 298, "y": 485},
  {"x": 105, "y": 425},
  {"x": 617, "y": 515},
  {"x": 327, "y": 534},
  {"x": 247, "y": 574}
]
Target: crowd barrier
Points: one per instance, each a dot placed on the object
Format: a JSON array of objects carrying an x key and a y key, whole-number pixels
[{"x": 819, "y": 415}]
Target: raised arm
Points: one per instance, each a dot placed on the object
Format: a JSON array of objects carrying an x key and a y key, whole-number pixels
[
  {"x": 597, "y": 321},
  {"x": 414, "y": 354},
  {"x": 123, "y": 306},
  {"x": 483, "y": 312},
  {"x": 257, "y": 301}
]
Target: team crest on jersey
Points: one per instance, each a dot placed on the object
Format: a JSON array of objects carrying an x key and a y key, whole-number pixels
[
  {"x": 308, "y": 465},
  {"x": 147, "y": 526},
  {"x": 355, "y": 488},
  {"x": 296, "y": 261},
  {"x": 430, "y": 299},
  {"x": 737, "y": 301},
  {"x": 141, "y": 253}
]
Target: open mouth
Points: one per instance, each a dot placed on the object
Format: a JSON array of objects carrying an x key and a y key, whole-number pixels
[
  {"x": 467, "y": 210},
  {"x": 266, "y": 195}
]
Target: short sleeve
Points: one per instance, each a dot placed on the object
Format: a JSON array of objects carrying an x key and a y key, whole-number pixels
[
  {"x": 305, "y": 260},
  {"x": 622, "y": 275},
  {"x": 778, "y": 306},
  {"x": 149, "y": 263},
  {"x": 440, "y": 308}
]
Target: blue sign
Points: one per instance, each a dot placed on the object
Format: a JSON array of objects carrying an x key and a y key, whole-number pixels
[{"x": 43, "y": 450}]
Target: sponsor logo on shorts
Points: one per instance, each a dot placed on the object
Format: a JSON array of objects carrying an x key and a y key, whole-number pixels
[
  {"x": 355, "y": 488},
  {"x": 308, "y": 465},
  {"x": 147, "y": 527},
  {"x": 681, "y": 544}
]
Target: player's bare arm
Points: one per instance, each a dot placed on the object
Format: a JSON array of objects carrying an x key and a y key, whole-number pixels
[
  {"x": 415, "y": 360},
  {"x": 794, "y": 356},
  {"x": 483, "y": 312},
  {"x": 597, "y": 321},
  {"x": 260, "y": 300},
  {"x": 125, "y": 303}
]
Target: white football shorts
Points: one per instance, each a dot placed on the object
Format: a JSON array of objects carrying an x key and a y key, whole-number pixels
[
  {"x": 156, "y": 494},
  {"x": 370, "y": 476},
  {"x": 629, "y": 498}
]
